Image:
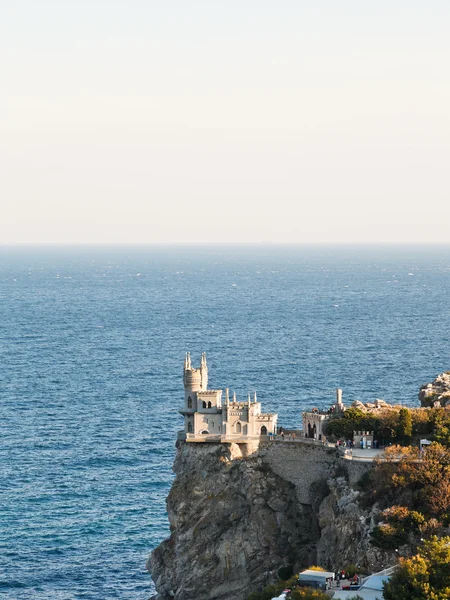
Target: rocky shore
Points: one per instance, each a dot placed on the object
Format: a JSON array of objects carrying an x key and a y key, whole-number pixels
[{"x": 436, "y": 393}]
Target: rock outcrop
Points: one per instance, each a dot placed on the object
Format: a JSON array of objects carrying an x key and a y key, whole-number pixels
[
  {"x": 436, "y": 393},
  {"x": 345, "y": 530},
  {"x": 378, "y": 405},
  {"x": 239, "y": 512}
]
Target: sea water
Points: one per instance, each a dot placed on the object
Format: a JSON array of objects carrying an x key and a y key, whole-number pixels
[{"x": 92, "y": 349}]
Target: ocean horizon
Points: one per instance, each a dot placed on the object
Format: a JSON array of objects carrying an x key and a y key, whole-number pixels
[{"x": 93, "y": 339}]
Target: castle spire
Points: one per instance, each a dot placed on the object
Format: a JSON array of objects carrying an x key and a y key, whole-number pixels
[
  {"x": 234, "y": 396},
  {"x": 254, "y": 397},
  {"x": 227, "y": 397}
]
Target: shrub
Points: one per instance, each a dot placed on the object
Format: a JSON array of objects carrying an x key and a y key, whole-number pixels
[
  {"x": 271, "y": 591},
  {"x": 308, "y": 594},
  {"x": 387, "y": 536}
]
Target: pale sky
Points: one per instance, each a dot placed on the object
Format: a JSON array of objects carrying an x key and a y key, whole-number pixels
[{"x": 224, "y": 121}]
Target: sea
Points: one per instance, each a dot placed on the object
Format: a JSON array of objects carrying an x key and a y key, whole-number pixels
[{"x": 93, "y": 340}]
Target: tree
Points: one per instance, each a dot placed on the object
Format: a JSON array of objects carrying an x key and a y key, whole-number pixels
[
  {"x": 425, "y": 576},
  {"x": 441, "y": 426},
  {"x": 404, "y": 429}
]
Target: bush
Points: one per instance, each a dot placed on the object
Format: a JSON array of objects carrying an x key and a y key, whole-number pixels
[
  {"x": 308, "y": 594},
  {"x": 271, "y": 591},
  {"x": 387, "y": 537}
]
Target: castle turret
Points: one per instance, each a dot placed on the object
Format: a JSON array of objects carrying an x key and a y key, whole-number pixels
[
  {"x": 339, "y": 406},
  {"x": 195, "y": 380}
]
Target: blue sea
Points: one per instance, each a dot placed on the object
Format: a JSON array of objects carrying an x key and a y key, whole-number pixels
[{"x": 92, "y": 349}]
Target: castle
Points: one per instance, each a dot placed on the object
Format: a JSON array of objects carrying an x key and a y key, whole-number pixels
[{"x": 205, "y": 417}]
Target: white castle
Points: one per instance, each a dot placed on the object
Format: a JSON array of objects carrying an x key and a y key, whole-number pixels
[{"x": 205, "y": 416}]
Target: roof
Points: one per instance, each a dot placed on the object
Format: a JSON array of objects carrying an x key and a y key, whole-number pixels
[
  {"x": 375, "y": 582},
  {"x": 364, "y": 594},
  {"x": 372, "y": 589},
  {"x": 317, "y": 574}
]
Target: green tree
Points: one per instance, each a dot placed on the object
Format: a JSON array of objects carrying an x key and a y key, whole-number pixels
[
  {"x": 425, "y": 576},
  {"x": 441, "y": 426},
  {"x": 404, "y": 429}
]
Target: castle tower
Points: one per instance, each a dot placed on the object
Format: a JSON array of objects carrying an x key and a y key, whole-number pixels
[
  {"x": 195, "y": 380},
  {"x": 339, "y": 405}
]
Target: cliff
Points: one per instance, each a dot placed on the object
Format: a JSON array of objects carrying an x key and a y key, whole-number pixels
[
  {"x": 436, "y": 393},
  {"x": 240, "y": 512}
]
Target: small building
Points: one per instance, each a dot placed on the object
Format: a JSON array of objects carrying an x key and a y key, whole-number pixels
[
  {"x": 363, "y": 439},
  {"x": 313, "y": 420},
  {"x": 316, "y": 579}
]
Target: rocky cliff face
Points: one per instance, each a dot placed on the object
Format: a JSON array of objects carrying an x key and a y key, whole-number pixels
[
  {"x": 436, "y": 393},
  {"x": 238, "y": 513},
  {"x": 345, "y": 531}
]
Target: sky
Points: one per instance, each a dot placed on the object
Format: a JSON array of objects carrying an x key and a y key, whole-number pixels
[{"x": 153, "y": 121}]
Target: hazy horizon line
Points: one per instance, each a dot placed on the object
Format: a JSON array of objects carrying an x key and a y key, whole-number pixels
[{"x": 228, "y": 244}]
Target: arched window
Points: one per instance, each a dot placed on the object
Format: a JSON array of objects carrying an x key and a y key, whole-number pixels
[
  {"x": 238, "y": 427},
  {"x": 189, "y": 427},
  {"x": 189, "y": 402},
  {"x": 263, "y": 430},
  {"x": 204, "y": 404},
  {"x": 209, "y": 404},
  {"x": 205, "y": 432}
]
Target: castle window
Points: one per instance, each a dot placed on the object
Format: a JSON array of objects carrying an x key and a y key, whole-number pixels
[
  {"x": 263, "y": 430},
  {"x": 189, "y": 427},
  {"x": 189, "y": 402},
  {"x": 238, "y": 427},
  {"x": 209, "y": 404},
  {"x": 204, "y": 404}
]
